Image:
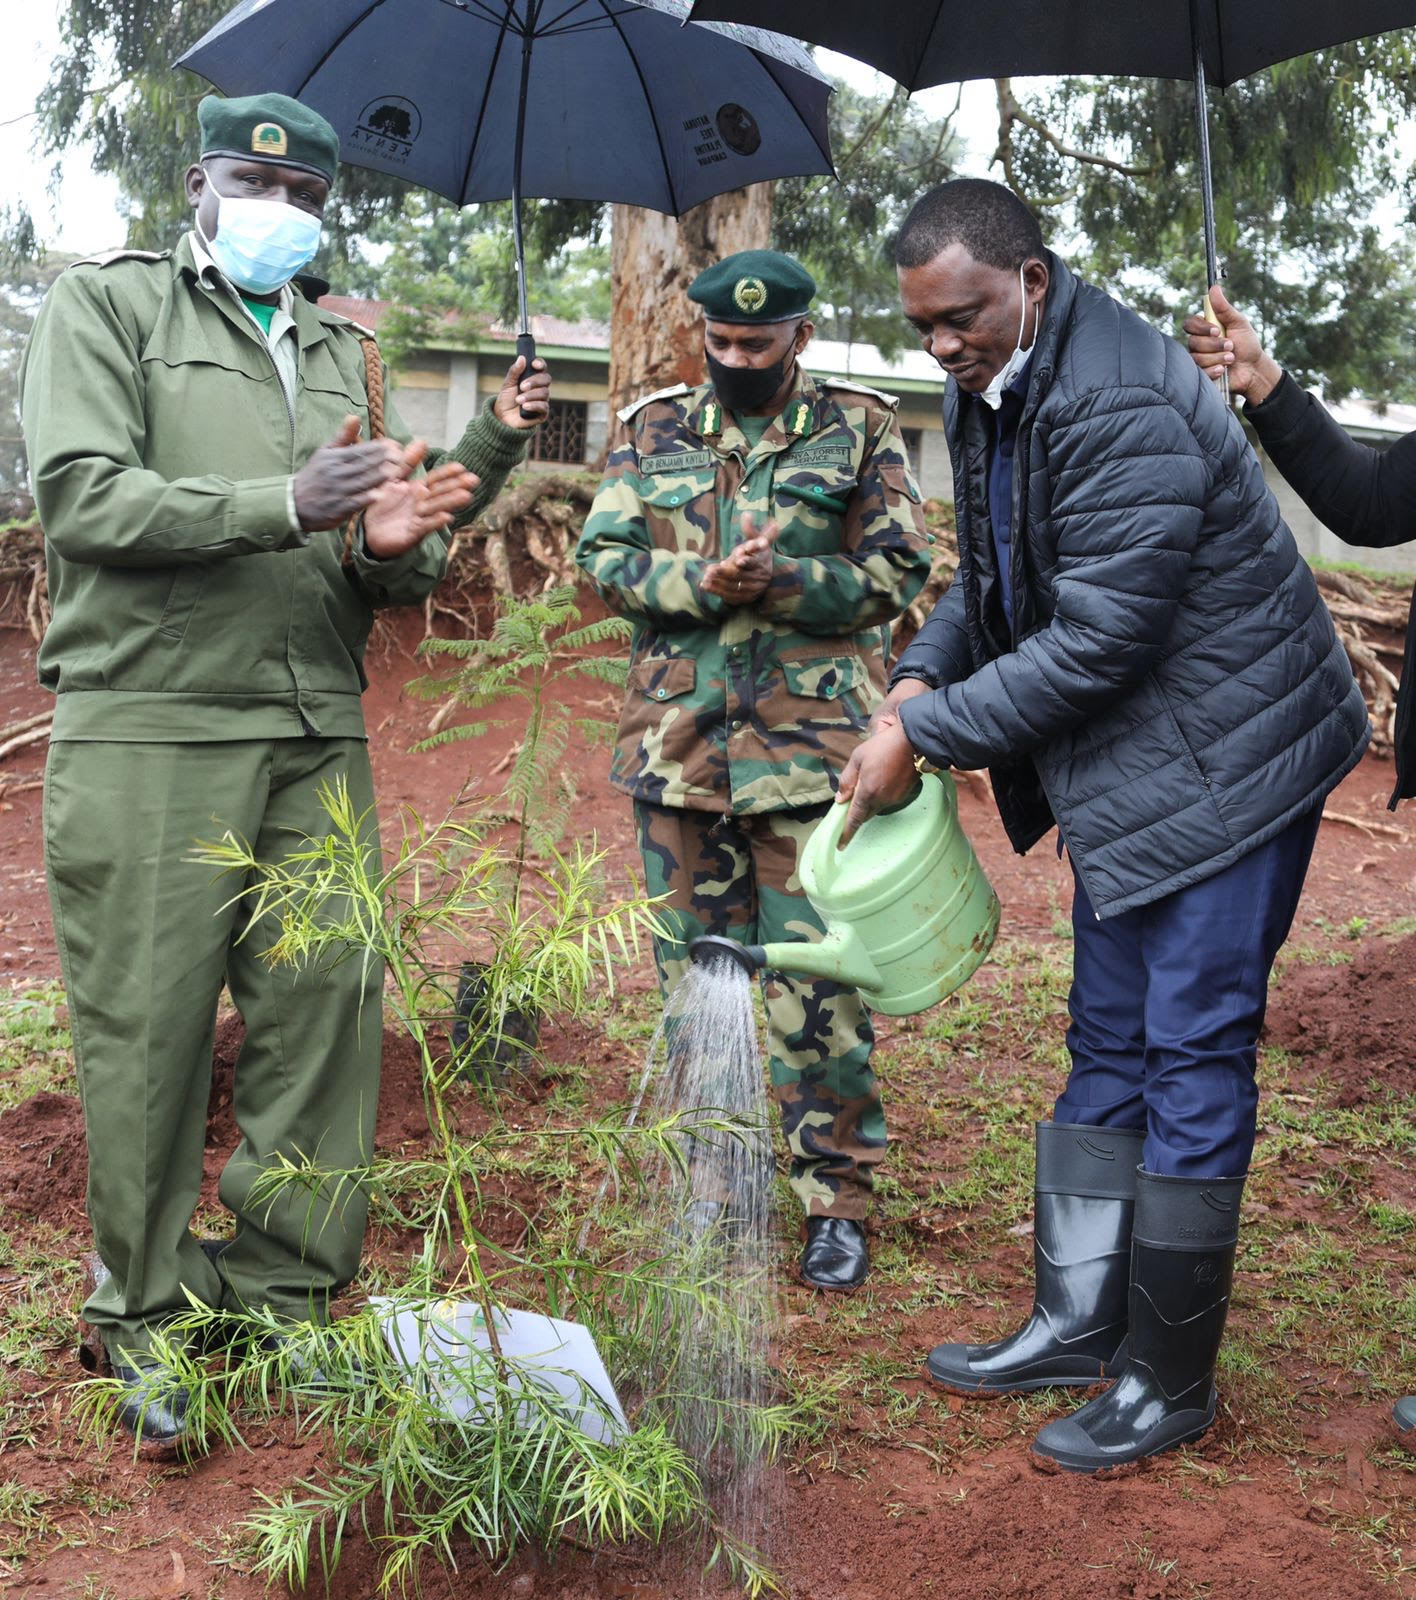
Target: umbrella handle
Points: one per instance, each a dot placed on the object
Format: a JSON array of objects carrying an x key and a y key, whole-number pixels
[{"x": 526, "y": 347}]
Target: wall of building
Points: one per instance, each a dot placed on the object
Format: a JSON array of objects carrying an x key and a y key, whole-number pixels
[{"x": 437, "y": 392}]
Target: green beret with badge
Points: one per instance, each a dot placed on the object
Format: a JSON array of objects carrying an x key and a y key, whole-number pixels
[
  {"x": 754, "y": 286},
  {"x": 268, "y": 127}
]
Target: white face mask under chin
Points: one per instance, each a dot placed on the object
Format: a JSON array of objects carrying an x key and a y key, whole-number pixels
[{"x": 992, "y": 396}]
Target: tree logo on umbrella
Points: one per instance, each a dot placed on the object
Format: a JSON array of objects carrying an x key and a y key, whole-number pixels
[
  {"x": 737, "y": 127},
  {"x": 388, "y": 127}
]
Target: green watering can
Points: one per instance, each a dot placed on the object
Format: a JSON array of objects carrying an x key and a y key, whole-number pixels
[{"x": 909, "y": 914}]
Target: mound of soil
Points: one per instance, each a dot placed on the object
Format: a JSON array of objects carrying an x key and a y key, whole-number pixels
[
  {"x": 43, "y": 1159},
  {"x": 1355, "y": 1025}
]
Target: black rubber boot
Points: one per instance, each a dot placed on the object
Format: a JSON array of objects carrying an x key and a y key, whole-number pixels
[
  {"x": 1182, "y": 1264},
  {"x": 1085, "y": 1194},
  {"x": 153, "y": 1408},
  {"x": 1403, "y": 1417},
  {"x": 835, "y": 1256}
]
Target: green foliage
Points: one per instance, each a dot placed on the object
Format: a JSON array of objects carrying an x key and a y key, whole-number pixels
[
  {"x": 453, "y": 271},
  {"x": 1302, "y": 153},
  {"x": 533, "y": 653},
  {"x": 518, "y": 1467},
  {"x": 887, "y": 154},
  {"x": 22, "y": 287}
]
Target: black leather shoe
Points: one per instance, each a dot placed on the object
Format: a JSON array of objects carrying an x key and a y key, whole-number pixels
[
  {"x": 1084, "y": 1199},
  {"x": 1403, "y": 1416},
  {"x": 1182, "y": 1264},
  {"x": 835, "y": 1256},
  {"x": 154, "y": 1405}
]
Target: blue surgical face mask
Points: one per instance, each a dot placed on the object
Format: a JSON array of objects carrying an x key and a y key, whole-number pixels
[
  {"x": 993, "y": 394},
  {"x": 261, "y": 244}
]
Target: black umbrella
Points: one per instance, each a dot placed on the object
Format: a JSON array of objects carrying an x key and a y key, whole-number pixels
[
  {"x": 627, "y": 103},
  {"x": 925, "y": 42}
]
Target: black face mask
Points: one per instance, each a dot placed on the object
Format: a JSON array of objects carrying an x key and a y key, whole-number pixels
[{"x": 748, "y": 388}]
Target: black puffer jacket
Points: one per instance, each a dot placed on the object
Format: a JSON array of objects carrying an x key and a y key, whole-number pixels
[
  {"x": 1367, "y": 497},
  {"x": 1173, "y": 693}
]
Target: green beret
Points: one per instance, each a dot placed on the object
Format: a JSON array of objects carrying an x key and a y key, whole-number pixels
[
  {"x": 754, "y": 286},
  {"x": 268, "y": 127}
]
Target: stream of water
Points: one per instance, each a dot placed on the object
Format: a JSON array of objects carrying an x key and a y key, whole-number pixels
[{"x": 715, "y": 1219}]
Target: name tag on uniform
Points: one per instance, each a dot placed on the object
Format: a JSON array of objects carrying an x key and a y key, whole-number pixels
[
  {"x": 819, "y": 455},
  {"x": 677, "y": 461}
]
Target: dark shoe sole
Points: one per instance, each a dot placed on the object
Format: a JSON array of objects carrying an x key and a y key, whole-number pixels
[
  {"x": 829, "y": 1288},
  {"x": 1093, "y": 1466},
  {"x": 1026, "y": 1386}
]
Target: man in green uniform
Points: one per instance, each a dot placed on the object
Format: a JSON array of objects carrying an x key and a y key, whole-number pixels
[
  {"x": 193, "y": 426},
  {"x": 762, "y": 531}
]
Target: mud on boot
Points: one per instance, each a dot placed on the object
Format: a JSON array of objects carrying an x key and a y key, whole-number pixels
[
  {"x": 1084, "y": 1198},
  {"x": 1182, "y": 1265}
]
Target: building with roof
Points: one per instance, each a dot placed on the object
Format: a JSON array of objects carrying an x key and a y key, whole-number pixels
[{"x": 438, "y": 387}]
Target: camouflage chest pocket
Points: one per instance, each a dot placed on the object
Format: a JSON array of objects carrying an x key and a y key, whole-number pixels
[
  {"x": 819, "y": 691},
  {"x": 809, "y": 505},
  {"x": 676, "y": 490},
  {"x": 658, "y": 728}
]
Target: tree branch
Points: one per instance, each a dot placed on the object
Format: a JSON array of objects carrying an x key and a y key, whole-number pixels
[{"x": 1010, "y": 111}]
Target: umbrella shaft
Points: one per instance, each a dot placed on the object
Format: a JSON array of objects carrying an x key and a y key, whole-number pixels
[
  {"x": 518, "y": 239},
  {"x": 1206, "y": 171}
]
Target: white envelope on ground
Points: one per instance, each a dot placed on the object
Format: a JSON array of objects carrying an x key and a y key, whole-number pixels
[{"x": 445, "y": 1344}]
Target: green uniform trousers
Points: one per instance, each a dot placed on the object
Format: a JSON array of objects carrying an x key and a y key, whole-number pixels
[
  {"x": 737, "y": 877},
  {"x": 145, "y": 941}
]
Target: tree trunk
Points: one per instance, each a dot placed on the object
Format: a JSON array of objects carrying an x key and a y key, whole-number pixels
[{"x": 655, "y": 331}]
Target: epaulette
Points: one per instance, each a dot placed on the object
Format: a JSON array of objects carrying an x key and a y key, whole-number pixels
[
  {"x": 635, "y": 406},
  {"x": 106, "y": 258},
  {"x": 341, "y": 321},
  {"x": 891, "y": 400}
]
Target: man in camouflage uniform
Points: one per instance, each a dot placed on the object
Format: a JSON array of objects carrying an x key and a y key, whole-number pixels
[{"x": 762, "y": 531}]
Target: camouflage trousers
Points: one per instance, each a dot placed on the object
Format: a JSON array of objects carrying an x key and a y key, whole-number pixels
[{"x": 737, "y": 876}]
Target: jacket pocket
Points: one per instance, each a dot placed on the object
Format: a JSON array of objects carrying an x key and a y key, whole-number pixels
[
  {"x": 182, "y": 599},
  {"x": 817, "y": 693},
  {"x": 809, "y": 507},
  {"x": 663, "y": 679}
]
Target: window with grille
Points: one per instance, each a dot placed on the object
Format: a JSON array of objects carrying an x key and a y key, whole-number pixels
[
  {"x": 914, "y": 440},
  {"x": 561, "y": 437}
]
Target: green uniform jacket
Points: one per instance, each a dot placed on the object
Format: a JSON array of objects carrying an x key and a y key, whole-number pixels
[
  {"x": 754, "y": 708},
  {"x": 161, "y": 449}
]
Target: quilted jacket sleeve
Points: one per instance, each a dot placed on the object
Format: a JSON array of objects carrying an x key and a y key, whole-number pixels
[
  {"x": 1366, "y": 496},
  {"x": 1129, "y": 484}
]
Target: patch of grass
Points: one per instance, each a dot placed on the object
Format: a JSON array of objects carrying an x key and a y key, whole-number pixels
[
  {"x": 25, "y": 1519},
  {"x": 35, "y": 1044},
  {"x": 1390, "y": 1222}
]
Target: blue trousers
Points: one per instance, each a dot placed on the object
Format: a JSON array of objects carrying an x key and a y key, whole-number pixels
[{"x": 1167, "y": 1002}]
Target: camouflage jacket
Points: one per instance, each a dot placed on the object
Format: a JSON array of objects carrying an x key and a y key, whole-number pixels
[{"x": 753, "y": 708}]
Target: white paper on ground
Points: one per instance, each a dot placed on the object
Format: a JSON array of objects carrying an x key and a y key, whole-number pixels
[{"x": 435, "y": 1341}]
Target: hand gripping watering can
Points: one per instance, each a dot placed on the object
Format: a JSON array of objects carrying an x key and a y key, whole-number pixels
[{"x": 909, "y": 914}]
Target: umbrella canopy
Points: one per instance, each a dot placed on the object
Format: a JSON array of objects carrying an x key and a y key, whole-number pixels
[
  {"x": 621, "y": 101},
  {"x": 947, "y": 41}
]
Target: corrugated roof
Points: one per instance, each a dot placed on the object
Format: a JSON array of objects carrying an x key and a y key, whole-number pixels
[{"x": 547, "y": 330}]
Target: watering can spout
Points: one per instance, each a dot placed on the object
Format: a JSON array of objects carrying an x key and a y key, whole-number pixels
[{"x": 839, "y": 956}]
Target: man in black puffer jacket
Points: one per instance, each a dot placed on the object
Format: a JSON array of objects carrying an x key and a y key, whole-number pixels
[
  {"x": 1135, "y": 649},
  {"x": 1366, "y": 496}
]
